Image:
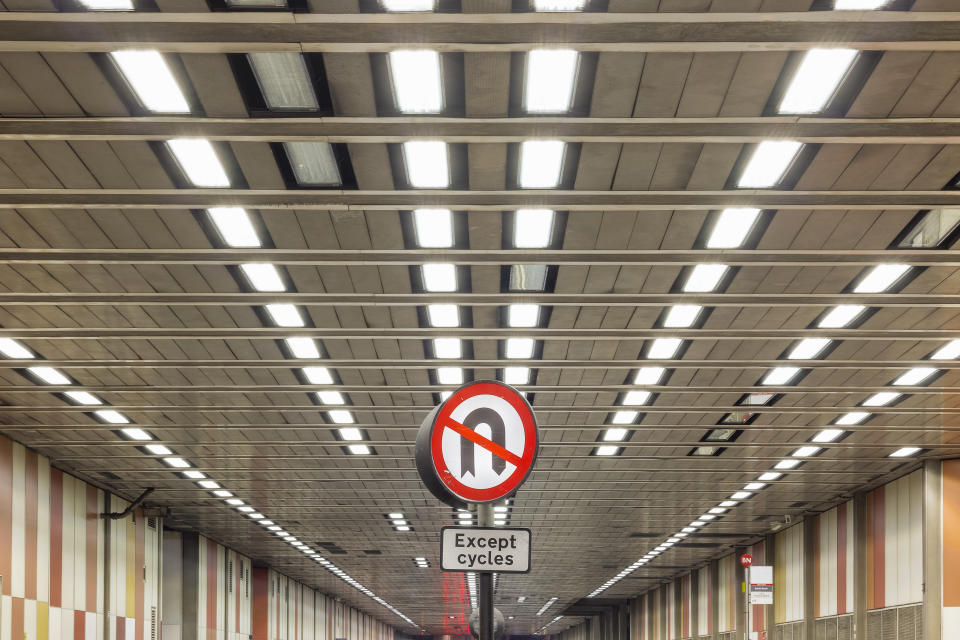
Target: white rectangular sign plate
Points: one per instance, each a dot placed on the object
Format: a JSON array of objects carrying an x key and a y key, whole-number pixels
[
  {"x": 498, "y": 550},
  {"x": 761, "y": 585}
]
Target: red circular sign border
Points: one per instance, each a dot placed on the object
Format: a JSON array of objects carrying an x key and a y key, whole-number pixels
[
  {"x": 746, "y": 560},
  {"x": 530, "y": 444}
]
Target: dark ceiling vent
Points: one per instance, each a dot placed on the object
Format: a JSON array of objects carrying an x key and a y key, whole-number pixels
[
  {"x": 332, "y": 548},
  {"x": 643, "y": 534},
  {"x": 373, "y": 552},
  {"x": 109, "y": 475},
  {"x": 797, "y": 505}
]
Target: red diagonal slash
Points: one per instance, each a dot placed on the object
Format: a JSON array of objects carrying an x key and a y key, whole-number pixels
[{"x": 489, "y": 445}]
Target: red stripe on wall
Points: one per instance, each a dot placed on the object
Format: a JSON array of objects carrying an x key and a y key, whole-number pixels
[
  {"x": 951, "y": 533},
  {"x": 92, "y": 516},
  {"x": 842, "y": 558},
  {"x": 56, "y": 538},
  {"x": 6, "y": 511},
  {"x": 79, "y": 625},
  {"x": 30, "y": 525},
  {"x": 879, "y": 548},
  {"x": 260, "y": 605},
  {"x": 121, "y": 629},
  {"x": 138, "y": 577},
  {"x": 211, "y": 585},
  {"x": 16, "y": 618}
]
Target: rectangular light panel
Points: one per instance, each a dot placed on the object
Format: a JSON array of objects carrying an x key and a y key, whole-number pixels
[
  {"x": 704, "y": 278},
  {"x": 49, "y": 375},
  {"x": 443, "y": 315},
  {"x": 150, "y": 78},
  {"x": 828, "y": 435},
  {"x": 663, "y": 348},
  {"x": 449, "y": 348},
  {"x": 108, "y": 5},
  {"x": 780, "y": 375},
  {"x": 949, "y": 351},
  {"x": 914, "y": 376},
  {"x": 439, "y": 277},
  {"x": 851, "y": 418},
  {"x": 881, "y": 278},
  {"x": 263, "y": 276},
  {"x": 881, "y": 399},
  {"x": 284, "y": 81},
  {"x": 427, "y": 166},
  {"x": 769, "y": 162},
  {"x": 285, "y": 315},
  {"x": 199, "y": 162},
  {"x": 317, "y": 375},
  {"x": 408, "y": 5},
  {"x": 533, "y": 228},
  {"x": 111, "y": 417},
  {"x": 541, "y": 163},
  {"x": 636, "y": 398},
  {"x": 83, "y": 397},
  {"x": 523, "y": 315},
  {"x": 840, "y": 316},
  {"x": 558, "y": 5},
  {"x": 519, "y": 348},
  {"x": 808, "y": 348},
  {"x": 302, "y": 347},
  {"x": 682, "y": 315},
  {"x": 449, "y": 375},
  {"x": 516, "y": 375},
  {"x": 550, "y": 76},
  {"x": 649, "y": 375},
  {"x": 314, "y": 164},
  {"x": 12, "y": 349},
  {"x": 234, "y": 226},
  {"x": 816, "y": 80},
  {"x": 417, "y": 85},
  {"x": 528, "y": 277},
  {"x": 331, "y": 397},
  {"x": 433, "y": 227},
  {"x": 859, "y": 5},
  {"x": 732, "y": 227}
]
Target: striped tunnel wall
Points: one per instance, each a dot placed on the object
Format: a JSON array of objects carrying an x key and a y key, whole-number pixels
[
  {"x": 68, "y": 574},
  {"x": 726, "y": 596},
  {"x": 833, "y": 561},
  {"x": 788, "y": 575},
  {"x": 284, "y": 609},
  {"x": 895, "y": 543}
]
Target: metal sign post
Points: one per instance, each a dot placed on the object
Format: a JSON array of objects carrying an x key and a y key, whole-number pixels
[{"x": 485, "y": 519}]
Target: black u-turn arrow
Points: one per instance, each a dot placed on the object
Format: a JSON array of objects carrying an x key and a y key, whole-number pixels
[{"x": 498, "y": 435}]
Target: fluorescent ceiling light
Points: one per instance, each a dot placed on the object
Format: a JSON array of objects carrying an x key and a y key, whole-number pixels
[
  {"x": 83, "y": 397},
  {"x": 769, "y": 162},
  {"x": 881, "y": 278},
  {"x": 636, "y": 398},
  {"x": 49, "y": 375},
  {"x": 806, "y": 452},
  {"x": 663, "y": 348},
  {"x": 533, "y": 228},
  {"x": 707, "y": 517},
  {"x": 177, "y": 463},
  {"x": 136, "y": 434},
  {"x": 541, "y": 162},
  {"x": 617, "y": 434},
  {"x": 780, "y": 375},
  {"x": 649, "y": 375},
  {"x": 816, "y": 80},
  {"x": 157, "y": 449},
  {"x": 949, "y": 351},
  {"x": 905, "y": 452},
  {"x": 808, "y": 348},
  {"x": 108, "y": 5},
  {"x": 914, "y": 376},
  {"x": 417, "y": 85},
  {"x": 331, "y": 397},
  {"x": 718, "y": 510},
  {"x": 519, "y": 348},
  {"x": 444, "y": 395},
  {"x": 787, "y": 464},
  {"x": 150, "y": 78},
  {"x": 234, "y": 502},
  {"x": 607, "y": 450},
  {"x": 730, "y": 503},
  {"x": 284, "y": 81},
  {"x": 13, "y": 349},
  {"x": 351, "y": 433},
  {"x": 302, "y": 347},
  {"x": 688, "y": 530},
  {"x": 264, "y": 4},
  {"x": 317, "y": 375},
  {"x": 704, "y": 277},
  {"x": 199, "y": 161},
  {"x": 359, "y": 449},
  {"x": 550, "y": 77},
  {"x": 732, "y": 227},
  {"x": 192, "y": 474},
  {"x": 449, "y": 375},
  {"x": 523, "y": 315},
  {"x": 313, "y": 163},
  {"x": 443, "y": 315},
  {"x": 439, "y": 277},
  {"x": 558, "y": 5},
  {"x": 840, "y": 316},
  {"x": 234, "y": 226},
  {"x": 828, "y": 435},
  {"x": 881, "y": 399},
  {"x": 426, "y": 162},
  {"x": 770, "y": 475},
  {"x": 433, "y": 227},
  {"x": 263, "y": 276},
  {"x": 860, "y": 5},
  {"x": 341, "y": 416},
  {"x": 682, "y": 315},
  {"x": 853, "y": 417},
  {"x": 111, "y": 417},
  {"x": 407, "y": 5},
  {"x": 741, "y": 495},
  {"x": 285, "y": 315},
  {"x": 449, "y": 348},
  {"x": 245, "y": 509},
  {"x": 516, "y": 375},
  {"x": 624, "y": 417},
  {"x": 754, "y": 486},
  {"x": 208, "y": 484},
  {"x": 395, "y": 515}
]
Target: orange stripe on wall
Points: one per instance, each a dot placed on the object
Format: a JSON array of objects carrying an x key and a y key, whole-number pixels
[
  {"x": 16, "y": 618},
  {"x": 92, "y": 515},
  {"x": 951, "y": 533},
  {"x": 30, "y": 525},
  {"x": 261, "y": 605},
  {"x": 79, "y": 625},
  {"x": 56, "y": 537},
  {"x": 842, "y": 558},
  {"x": 6, "y": 511}
]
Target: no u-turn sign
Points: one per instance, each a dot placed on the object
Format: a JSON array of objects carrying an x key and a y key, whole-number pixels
[{"x": 479, "y": 445}]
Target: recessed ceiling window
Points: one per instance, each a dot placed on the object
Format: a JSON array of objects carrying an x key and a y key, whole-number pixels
[
  {"x": 136, "y": 434},
  {"x": 331, "y": 397},
  {"x": 111, "y": 416},
  {"x": 427, "y": 166},
  {"x": 408, "y": 5},
  {"x": 317, "y": 375},
  {"x": 433, "y": 227},
  {"x": 528, "y": 277},
  {"x": 516, "y": 375},
  {"x": 852, "y": 417},
  {"x": 521, "y": 348},
  {"x": 769, "y": 163},
  {"x": 83, "y": 398},
  {"x": 931, "y": 229},
  {"x": 704, "y": 278},
  {"x": 285, "y": 315},
  {"x": 649, "y": 375},
  {"x": 636, "y": 398},
  {"x": 682, "y": 315},
  {"x": 447, "y": 348},
  {"x": 664, "y": 348},
  {"x": 550, "y": 77},
  {"x": 302, "y": 347},
  {"x": 443, "y": 315},
  {"x": 199, "y": 162},
  {"x": 341, "y": 416},
  {"x": 706, "y": 451},
  {"x": 313, "y": 163},
  {"x": 780, "y": 376},
  {"x": 840, "y": 316},
  {"x": 108, "y": 5},
  {"x": 808, "y": 348},
  {"x": 881, "y": 399},
  {"x": 12, "y": 349},
  {"x": 949, "y": 351},
  {"x": 263, "y": 276},
  {"x": 859, "y": 5},
  {"x": 150, "y": 78},
  {"x": 449, "y": 375},
  {"x": 439, "y": 277},
  {"x": 532, "y": 228},
  {"x": 721, "y": 435},
  {"x": 541, "y": 164},
  {"x": 828, "y": 435},
  {"x": 816, "y": 80},
  {"x": 417, "y": 84},
  {"x": 624, "y": 417},
  {"x": 905, "y": 452},
  {"x": 359, "y": 450},
  {"x": 757, "y": 399},
  {"x": 881, "y": 278},
  {"x": 914, "y": 376},
  {"x": 732, "y": 227},
  {"x": 606, "y": 450},
  {"x": 284, "y": 81},
  {"x": 616, "y": 434},
  {"x": 806, "y": 452},
  {"x": 788, "y": 464},
  {"x": 234, "y": 226},
  {"x": 559, "y": 5},
  {"x": 523, "y": 315},
  {"x": 49, "y": 375}
]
